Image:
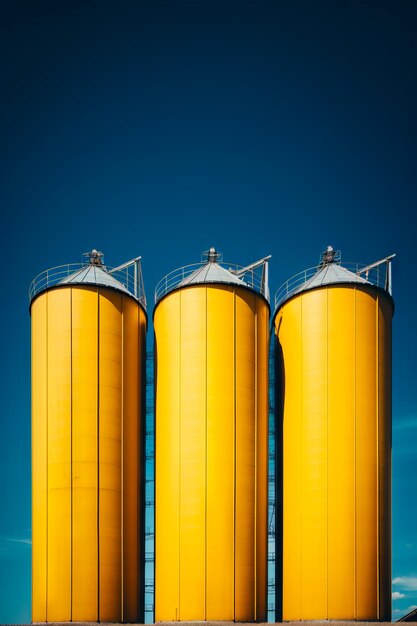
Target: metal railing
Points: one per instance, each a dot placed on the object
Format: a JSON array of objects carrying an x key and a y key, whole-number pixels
[
  {"x": 252, "y": 278},
  {"x": 129, "y": 276},
  {"x": 377, "y": 274}
]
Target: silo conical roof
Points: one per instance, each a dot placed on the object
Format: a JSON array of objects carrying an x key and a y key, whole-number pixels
[
  {"x": 331, "y": 274},
  {"x": 94, "y": 275},
  {"x": 211, "y": 273},
  {"x": 212, "y": 270},
  {"x": 328, "y": 272}
]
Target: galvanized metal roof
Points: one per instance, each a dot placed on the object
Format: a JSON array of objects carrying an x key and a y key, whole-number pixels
[
  {"x": 211, "y": 273},
  {"x": 331, "y": 274},
  {"x": 94, "y": 275}
]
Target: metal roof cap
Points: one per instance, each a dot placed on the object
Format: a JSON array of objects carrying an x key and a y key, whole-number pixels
[
  {"x": 212, "y": 270},
  {"x": 211, "y": 273},
  {"x": 126, "y": 278},
  {"x": 329, "y": 275},
  {"x": 331, "y": 272},
  {"x": 94, "y": 275}
]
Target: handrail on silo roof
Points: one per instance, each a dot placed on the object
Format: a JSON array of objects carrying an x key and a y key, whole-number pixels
[
  {"x": 138, "y": 286},
  {"x": 374, "y": 274},
  {"x": 254, "y": 276},
  {"x": 129, "y": 275},
  {"x": 264, "y": 263},
  {"x": 388, "y": 273}
]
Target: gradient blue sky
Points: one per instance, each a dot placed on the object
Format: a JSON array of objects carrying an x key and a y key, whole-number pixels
[{"x": 162, "y": 128}]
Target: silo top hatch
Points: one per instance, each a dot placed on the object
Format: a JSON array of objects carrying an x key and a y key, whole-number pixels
[
  {"x": 212, "y": 270},
  {"x": 126, "y": 278},
  {"x": 329, "y": 271}
]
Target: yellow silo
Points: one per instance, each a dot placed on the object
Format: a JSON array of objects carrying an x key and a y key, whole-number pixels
[
  {"x": 88, "y": 345},
  {"x": 333, "y": 327},
  {"x": 211, "y": 334}
]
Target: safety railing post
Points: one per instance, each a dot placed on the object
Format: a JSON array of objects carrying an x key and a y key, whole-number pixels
[{"x": 389, "y": 277}]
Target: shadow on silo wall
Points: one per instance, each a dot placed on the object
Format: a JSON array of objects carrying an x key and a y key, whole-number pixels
[{"x": 279, "y": 413}]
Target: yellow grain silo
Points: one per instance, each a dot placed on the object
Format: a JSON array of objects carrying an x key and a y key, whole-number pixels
[
  {"x": 88, "y": 343},
  {"x": 211, "y": 334},
  {"x": 333, "y": 328}
]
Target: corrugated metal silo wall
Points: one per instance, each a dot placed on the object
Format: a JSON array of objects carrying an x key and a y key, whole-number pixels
[
  {"x": 211, "y": 447},
  {"x": 336, "y": 360},
  {"x": 87, "y": 365}
]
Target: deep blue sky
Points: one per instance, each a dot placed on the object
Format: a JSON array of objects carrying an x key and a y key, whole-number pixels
[{"x": 162, "y": 128}]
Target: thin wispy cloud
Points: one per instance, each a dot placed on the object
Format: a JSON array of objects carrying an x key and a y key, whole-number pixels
[
  {"x": 406, "y": 582},
  {"x": 15, "y": 540},
  {"x": 404, "y": 433},
  {"x": 396, "y": 595},
  {"x": 404, "y": 423},
  {"x": 401, "y": 612}
]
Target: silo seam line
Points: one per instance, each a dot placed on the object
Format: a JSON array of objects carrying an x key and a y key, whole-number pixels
[
  {"x": 301, "y": 458},
  {"x": 178, "y": 617},
  {"x": 71, "y": 465},
  {"x": 206, "y": 473},
  {"x": 377, "y": 457},
  {"x": 122, "y": 465},
  {"x": 98, "y": 454},
  {"x": 256, "y": 416},
  {"x": 234, "y": 460},
  {"x": 327, "y": 453},
  {"x": 47, "y": 455},
  {"x": 354, "y": 456}
]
